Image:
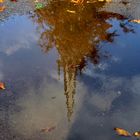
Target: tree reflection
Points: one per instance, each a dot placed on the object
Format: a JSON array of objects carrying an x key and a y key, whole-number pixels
[{"x": 75, "y": 31}]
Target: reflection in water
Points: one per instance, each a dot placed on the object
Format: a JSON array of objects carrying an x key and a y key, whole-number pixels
[
  {"x": 33, "y": 101},
  {"x": 76, "y": 31},
  {"x": 69, "y": 85}
]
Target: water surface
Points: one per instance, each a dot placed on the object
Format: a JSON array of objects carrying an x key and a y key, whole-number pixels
[{"x": 74, "y": 68}]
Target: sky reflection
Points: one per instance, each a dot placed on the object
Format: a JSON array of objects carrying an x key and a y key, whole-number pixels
[{"x": 78, "y": 73}]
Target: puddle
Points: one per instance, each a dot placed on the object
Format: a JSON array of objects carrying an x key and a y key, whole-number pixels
[{"x": 71, "y": 71}]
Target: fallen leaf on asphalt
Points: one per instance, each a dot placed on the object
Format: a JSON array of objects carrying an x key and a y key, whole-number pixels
[
  {"x": 136, "y": 134},
  {"x": 2, "y": 86},
  {"x": 122, "y": 132}
]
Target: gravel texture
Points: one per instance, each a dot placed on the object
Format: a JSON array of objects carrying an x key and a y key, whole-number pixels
[{"x": 21, "y": 7}]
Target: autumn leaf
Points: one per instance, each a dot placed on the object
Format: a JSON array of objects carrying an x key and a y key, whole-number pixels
[
  {"x": 136, "y": 20},
  {"x": 136, "y": 134},
  {"x": 1, "y": 1},
  {"x": 2, "y": 8},
  {"x": 122, "y": 132},
  {"x": 2, "y": 86}
]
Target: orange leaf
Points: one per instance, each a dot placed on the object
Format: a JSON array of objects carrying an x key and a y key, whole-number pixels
[
  {"x": 2, "y": 8},
  {"x": 1, "y": 1},
  {"x": 136, "y": 20},
  {"x": 136, "y": 134},
  {"x": 2, "y": 86},
  {"x": 122, "y": 132}
]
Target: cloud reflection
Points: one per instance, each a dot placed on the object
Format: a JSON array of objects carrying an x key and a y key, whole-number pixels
[
  {"x": 22, "y": 39},
  {"x": 95, "y": 111},
  {"x": 114, "y": 104},
  {"x": 39, "y": 110}
]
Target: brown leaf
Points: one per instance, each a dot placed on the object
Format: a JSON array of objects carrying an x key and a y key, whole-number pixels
[
  {"x": 2, "y": 86},
  {"x": 122, "y": 132},
  {"x": 136, "y": 134}
]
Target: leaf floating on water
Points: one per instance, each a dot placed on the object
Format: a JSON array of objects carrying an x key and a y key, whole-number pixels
[
  {"x": 48, "y": 129},
  {"x": 2, "y": 86},
  {"x": 136, "y": 134},
  {"x": 136, "y": 21},
  {"x": 1, "y": 1},
  {"x": 73, "y": 12},
  {"x": 2, "y": 8},
  {"x": 122, "y": 132}
]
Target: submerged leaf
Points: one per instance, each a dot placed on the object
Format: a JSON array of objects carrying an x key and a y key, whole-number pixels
[{"x": 122, "y": 132}]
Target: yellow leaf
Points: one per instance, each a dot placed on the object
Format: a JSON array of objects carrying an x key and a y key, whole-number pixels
[
  {"x": 122, "y": 132},
  {"x": 1, "y": 1}
]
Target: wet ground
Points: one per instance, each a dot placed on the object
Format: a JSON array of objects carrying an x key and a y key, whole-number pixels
[{"x": 71, "y": 70}]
